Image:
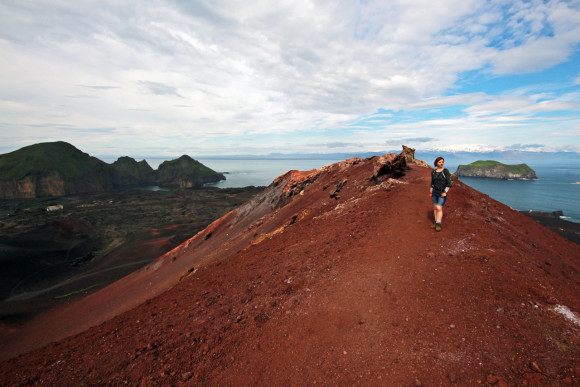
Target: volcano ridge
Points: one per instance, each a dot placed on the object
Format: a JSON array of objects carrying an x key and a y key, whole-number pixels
[{"x": 333, "y": 276}]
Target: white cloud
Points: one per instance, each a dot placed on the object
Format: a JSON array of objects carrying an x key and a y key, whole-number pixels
[
  {"x": 524, "y": 105},
  {"x": 446, "y": 101},
  {"x": 501, "y": 104},
  {"x": 189, "y": 73},
  {"x": 542, "y": 34}
]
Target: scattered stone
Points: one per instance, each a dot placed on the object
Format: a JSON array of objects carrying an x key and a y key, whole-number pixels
[
  {"x": 337, "y": 187},
  {"x": 492, "y": 379},
  {"x": 186, "y": 376},
  {"x": 534, "y": 366},
  {"x": 452, "y": 378}
]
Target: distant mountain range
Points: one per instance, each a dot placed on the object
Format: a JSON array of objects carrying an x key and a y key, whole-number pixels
[{"x": 59, "y": 168}]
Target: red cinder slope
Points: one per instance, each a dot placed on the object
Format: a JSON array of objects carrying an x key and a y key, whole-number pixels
[{"x": 332, "y": 276}]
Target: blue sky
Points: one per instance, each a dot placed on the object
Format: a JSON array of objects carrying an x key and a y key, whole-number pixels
[{"x": 168, "y": 77}]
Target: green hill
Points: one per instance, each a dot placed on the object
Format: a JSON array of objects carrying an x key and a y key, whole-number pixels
[
  {"x": 58, "y": 156},
  {"x": 130, "y": 172},
  {"x": 496, "y": 170},
  {"x": 186, "y": 172}
]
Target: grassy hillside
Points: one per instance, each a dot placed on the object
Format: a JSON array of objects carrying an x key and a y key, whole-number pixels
[
  {"x": 516, "y": 168},
  {"x": 128, "y": 170},
  {"x": 483, "y": 163},
  {"x": 185, "y": 166},
  {"x": 59, "y": 156}
]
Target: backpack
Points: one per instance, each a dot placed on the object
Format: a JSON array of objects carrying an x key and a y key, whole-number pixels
[{"x": 451, "y": 181}]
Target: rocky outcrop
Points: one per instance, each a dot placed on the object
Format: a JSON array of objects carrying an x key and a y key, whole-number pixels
[
  {"x": 186, "y": 172},
  {"x": 59, "y": 169},
  {"x": 496, "y": 170},
  {"x": 53, "y": 183},
  {"x": 409, "y": 155},
  {"x": 32, "y": 186},
  {"x": 389, "y": 165}
]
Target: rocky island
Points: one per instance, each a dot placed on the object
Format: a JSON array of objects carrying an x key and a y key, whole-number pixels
[
  {"x": 496, "y": 170},
  {"x": 60, "y": 169}
]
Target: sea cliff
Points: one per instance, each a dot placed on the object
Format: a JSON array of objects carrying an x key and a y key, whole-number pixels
[{"x": 496, "y": 170}]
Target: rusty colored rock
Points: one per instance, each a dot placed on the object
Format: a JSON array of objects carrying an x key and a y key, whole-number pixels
[{"x": 535, "y": 367}]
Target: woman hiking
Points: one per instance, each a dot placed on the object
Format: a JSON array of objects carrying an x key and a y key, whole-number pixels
[{"x": 440, "y": 184}]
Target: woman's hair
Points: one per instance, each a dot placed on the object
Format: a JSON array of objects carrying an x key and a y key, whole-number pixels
[{"x": 437, "y": 160}]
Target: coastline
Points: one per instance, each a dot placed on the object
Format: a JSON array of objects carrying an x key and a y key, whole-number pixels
[{"x": 567, "y": 229}]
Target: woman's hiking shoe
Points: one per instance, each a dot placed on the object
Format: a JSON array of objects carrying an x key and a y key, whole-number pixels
[
  {"x": 437, "y": 226},
  {"x": 433, "y": 225}
]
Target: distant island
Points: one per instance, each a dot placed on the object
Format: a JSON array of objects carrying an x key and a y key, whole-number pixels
[
  {"x": 60, "y": 169},
  {"x": 496, "y": 170}
]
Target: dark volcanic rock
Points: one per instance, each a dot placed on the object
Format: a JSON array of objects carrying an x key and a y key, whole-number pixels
[
  {"x": 552, "y": 220},
  {"x": 48, "y": 258}
]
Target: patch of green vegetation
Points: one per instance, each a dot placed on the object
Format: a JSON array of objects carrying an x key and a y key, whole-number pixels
[
  {"x": 519, "y": 168},
  {"x": 484, "y": 163},
  {"x": 58, "y": 156}
]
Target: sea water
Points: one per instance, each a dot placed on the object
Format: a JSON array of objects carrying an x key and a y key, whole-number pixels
[
  {"x": 554, "y": 190},
  {"x": 241, "y": 173}
]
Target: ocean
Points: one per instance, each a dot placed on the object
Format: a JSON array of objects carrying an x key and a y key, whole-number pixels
[{"x": 555, "y": 189}]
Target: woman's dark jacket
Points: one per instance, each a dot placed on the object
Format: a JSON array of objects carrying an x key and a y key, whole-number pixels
[{"x": 440, "y": 180}]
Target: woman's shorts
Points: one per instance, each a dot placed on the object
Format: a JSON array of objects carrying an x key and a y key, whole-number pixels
[{"x": 438, "y": 200}]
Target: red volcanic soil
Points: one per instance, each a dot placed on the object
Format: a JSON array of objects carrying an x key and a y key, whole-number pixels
[{"x": 331, "y": 276}]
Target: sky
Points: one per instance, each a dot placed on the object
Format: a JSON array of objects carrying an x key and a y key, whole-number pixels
[{"x": 223, "y": 77}]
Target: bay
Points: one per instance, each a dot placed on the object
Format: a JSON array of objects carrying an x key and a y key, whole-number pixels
[{"x": 241, "y": 173}]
